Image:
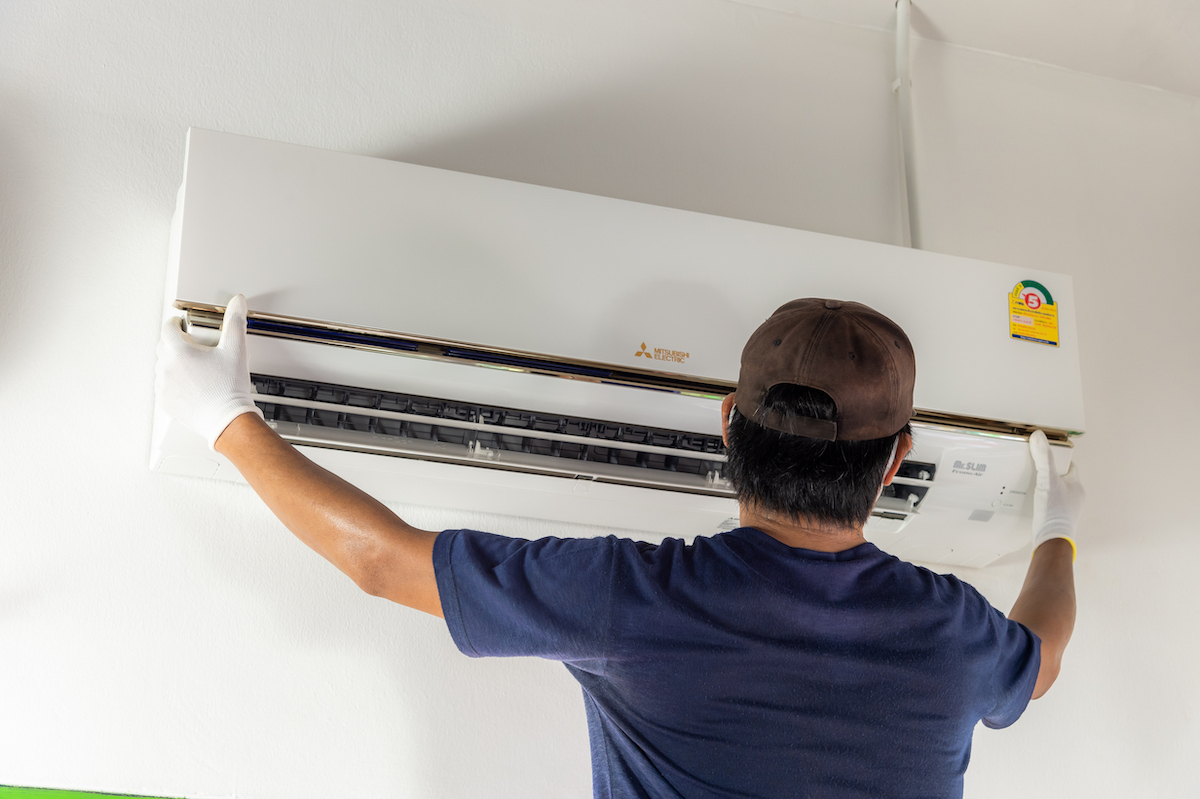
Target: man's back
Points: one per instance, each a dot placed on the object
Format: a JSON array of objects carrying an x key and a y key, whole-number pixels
[{"x": 738, "y": 666}]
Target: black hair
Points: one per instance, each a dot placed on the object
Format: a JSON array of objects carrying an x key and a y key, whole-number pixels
[{"x": 806, "y": 480}]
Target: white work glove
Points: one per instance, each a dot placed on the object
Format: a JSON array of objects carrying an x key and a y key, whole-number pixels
[
  {"x": 1057, "y": 501},
  {"x": 205, "y": 388}
]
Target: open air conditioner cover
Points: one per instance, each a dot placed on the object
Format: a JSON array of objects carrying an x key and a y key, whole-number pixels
[{"x": 451, "y": 339}]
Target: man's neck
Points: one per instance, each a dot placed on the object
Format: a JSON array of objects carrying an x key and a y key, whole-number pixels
[{"x": 803, "y": 535}]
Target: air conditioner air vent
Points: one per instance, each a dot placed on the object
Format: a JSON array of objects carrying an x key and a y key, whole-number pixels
[{"x": 432, "y": 428}]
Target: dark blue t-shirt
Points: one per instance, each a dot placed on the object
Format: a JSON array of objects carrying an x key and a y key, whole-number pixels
[{"x": 739, "y": 667}]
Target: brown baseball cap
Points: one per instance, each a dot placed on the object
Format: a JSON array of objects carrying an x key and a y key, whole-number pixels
[{"x": 853, "y": 353}]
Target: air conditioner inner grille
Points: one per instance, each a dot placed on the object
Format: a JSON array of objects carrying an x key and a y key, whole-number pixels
[{"x": 508, "y": 429}]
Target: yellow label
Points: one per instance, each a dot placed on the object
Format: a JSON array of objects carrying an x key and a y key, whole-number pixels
[{"x": 1033, "y": 314}]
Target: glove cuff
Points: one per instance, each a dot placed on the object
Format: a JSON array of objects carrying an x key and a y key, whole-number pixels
[
  {"x": 224, "y": 419},
  {"x": 1048, "y": 535}
]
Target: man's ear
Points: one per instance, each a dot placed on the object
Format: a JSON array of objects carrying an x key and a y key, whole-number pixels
[
  {"x": 903, "y": 447},
  {"x": 726, "y": 407}
]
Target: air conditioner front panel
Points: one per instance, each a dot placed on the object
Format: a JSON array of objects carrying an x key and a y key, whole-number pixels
[{"x": 321, "y": 235}]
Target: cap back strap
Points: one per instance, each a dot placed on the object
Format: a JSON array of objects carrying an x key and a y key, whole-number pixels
[{"x": 798, "y": 425}]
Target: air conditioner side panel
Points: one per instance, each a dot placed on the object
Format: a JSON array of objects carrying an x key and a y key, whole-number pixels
[{"x": 980, "y": 506}]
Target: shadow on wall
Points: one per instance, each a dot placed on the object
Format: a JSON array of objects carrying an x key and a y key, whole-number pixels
[
  {"x": 17, "y": 169},
  {"x": 922, "y": 26},
  {"x": 709, "y": 137},
  {"x": 427, "y": 719}
]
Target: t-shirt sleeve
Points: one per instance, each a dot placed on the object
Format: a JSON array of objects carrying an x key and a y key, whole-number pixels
[
  {"x": 1017, "y": 658},
  {"x": 509, "y": 597}
]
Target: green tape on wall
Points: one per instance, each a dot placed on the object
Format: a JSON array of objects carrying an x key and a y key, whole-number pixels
[{"x": 9, "y": 792}]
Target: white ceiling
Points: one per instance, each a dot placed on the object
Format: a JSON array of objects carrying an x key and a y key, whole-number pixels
[{"x": 1150, "y": 42}]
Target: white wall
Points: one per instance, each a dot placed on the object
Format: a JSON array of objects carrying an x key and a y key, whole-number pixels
[{"x": 167, "y": 636}]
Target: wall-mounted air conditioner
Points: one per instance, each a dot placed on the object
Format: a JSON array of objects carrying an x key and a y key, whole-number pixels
[{"x": 446, "y": 339}]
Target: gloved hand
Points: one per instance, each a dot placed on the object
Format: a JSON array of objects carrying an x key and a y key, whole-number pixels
[
  {"x": 205, "y": 388},
  {"x": 1057, "y": 501}
]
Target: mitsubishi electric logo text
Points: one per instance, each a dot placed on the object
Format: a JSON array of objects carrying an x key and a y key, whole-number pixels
[
  {"x": 674, "y": 356},
  {"x": 971, "y": 468}
]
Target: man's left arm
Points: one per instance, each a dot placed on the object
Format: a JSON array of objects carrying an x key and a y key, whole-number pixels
[{"x": 1046, "y": 604}]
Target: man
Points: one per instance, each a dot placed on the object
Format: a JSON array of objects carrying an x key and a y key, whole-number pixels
[{"x": 789, "y": 657}]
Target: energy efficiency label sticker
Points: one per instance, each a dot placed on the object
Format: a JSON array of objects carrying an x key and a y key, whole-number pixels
[{"x": 1032, "y": 314}]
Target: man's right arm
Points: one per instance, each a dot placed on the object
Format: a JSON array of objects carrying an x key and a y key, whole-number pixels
[
  {"x": 207, "y": 389},
  {"x": 384, "y": 555},
  {"x": 1046, "y": 604}
]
